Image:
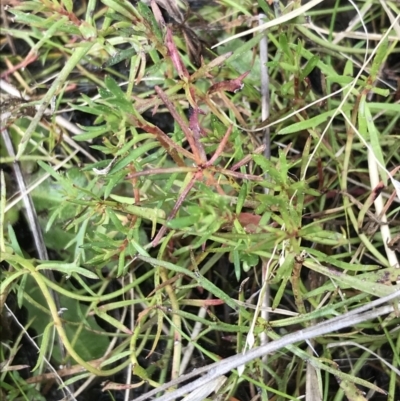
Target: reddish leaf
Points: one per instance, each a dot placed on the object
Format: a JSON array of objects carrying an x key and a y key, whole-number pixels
[
  {"x": 232, "y": 85},
  {"x": 175, "y": 56},
  {"x": 249, "y": 221}
]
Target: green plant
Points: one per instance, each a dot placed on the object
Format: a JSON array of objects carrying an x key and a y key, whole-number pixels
[{"x": 163, "y": 234}]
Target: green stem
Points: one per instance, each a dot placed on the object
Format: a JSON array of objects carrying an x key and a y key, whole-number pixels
[
  {"x": 102, "y": 298},
  {"x": 42, "y": 283},
  {"x": 63, "y": 336}
]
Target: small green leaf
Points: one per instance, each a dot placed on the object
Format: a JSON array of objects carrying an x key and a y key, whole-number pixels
[
  {"x": 339, "y": 263},
  {"x": 282, "y": 277},
  {"x": 379, "y": 59},
  {"x": 113, "y": 322},
  {"x": 311, "y": 64},
  {"x": 121, "y": 104},
  {"x": 310, "y": 123},
  {"x": 184, "y": 222},
  {"x": 68, "y": 5},
  {"x": 314, "y": 234},
  {"x": 113, "y": 87},
  {"x": 283, "y": 167},
  {"x": 104, "y": 93},
  {"x": 249, "y": 260},
  {"x": 290, "y": 68},
  {"x": 375, "y": 139},
  {"x": 236, "y": 263},
  {"x": 92, "y": 133},
  {"x": 6, "y": 281},
  {"x": 267, "y": 167},
  {"x": 133, "y": 155},
  {"x": 122, "y": 7},
  {"x": 28, "y": 19},
  {"x": 121, "y": 263},
  {"x": 145, "y": 212},
  {"x": 115, "y": 179},
  {"x": 381, "y": 92},
  {"x": 284, "y": 46},
  {"x": 139, "y": 248},
  {"x": 14, "y": 241},
  {"x": 387, "y": 108},
  {"x": 263, "y": 5},
  {"x": 88, "y": 31},
  {"x": 241, "y": 197},
  {"x": 348, "y": 69},
  {"x": 96, "y": 109},
  {"x": 21, "y": 290},
  {"x": 120, "y": 56},
  {"x": 67, "y": 268},
  {"x": 68, "y": 186},
  {"x": 123, "y": 199},
  {"x": 44, "y": 347},
  {"x": 139, "y": 371},
  {"x": 147, "y": 14},
  {"x": 361, "y": 117},
  {"x": 351, "y": 391},
  {"x": 116, "y": 221},
  {"x": 218, "y": 128}
]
